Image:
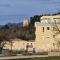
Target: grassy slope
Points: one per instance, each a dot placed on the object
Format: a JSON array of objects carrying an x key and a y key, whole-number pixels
[{"x": 46, "y": 58}]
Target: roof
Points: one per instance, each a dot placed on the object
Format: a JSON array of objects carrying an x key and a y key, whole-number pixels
[{"x": 50, "y": 17}]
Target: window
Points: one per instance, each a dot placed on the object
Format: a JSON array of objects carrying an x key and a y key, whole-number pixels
[
  {"x": 48, "y": 28},
  {"x": 31, "y": 43},
  {"x": 43, "y": 29},
  {"x": 53, "y": 44},
  {"x": 53, "y": 36},
  {"x": 27, "y": 43},
  {"x": 59, "y": 42}
]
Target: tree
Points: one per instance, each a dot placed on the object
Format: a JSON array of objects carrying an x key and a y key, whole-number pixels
[
  {"x": 34, "y": 19},
  {"x": 3, "y": 39},
  {"x": 56, "y": 36}
]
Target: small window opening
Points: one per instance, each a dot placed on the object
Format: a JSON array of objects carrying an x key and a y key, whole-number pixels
[
  {"x": 43, "y": 29},
  {"x": 48, "y": 28}
]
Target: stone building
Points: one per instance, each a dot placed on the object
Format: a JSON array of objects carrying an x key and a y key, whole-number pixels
[
  {"x": 47, "y": 33},
  {"x": 18, "y": 45}
]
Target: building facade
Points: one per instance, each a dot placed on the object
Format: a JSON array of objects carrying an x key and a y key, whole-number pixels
[
  {"x": 19, "y": 45},
  {"x": 47, "y": 34},
  {"x": 26, "y": 22}
]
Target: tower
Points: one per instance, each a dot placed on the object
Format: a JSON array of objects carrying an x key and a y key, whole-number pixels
[
  {"x": 47, "y": 33},
  {"x": 44, "y": 37}
]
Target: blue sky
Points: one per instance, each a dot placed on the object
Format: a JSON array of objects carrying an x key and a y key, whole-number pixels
[{"x": 16, "y": 10}]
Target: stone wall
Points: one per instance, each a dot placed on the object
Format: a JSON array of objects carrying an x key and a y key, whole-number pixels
[{"x": 53, "y": 53}]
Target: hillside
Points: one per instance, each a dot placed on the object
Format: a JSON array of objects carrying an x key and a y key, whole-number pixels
[{"x": 16, "y": 30}]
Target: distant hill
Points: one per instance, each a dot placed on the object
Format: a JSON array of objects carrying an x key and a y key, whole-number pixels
[{"x": 17, "y": 30}]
